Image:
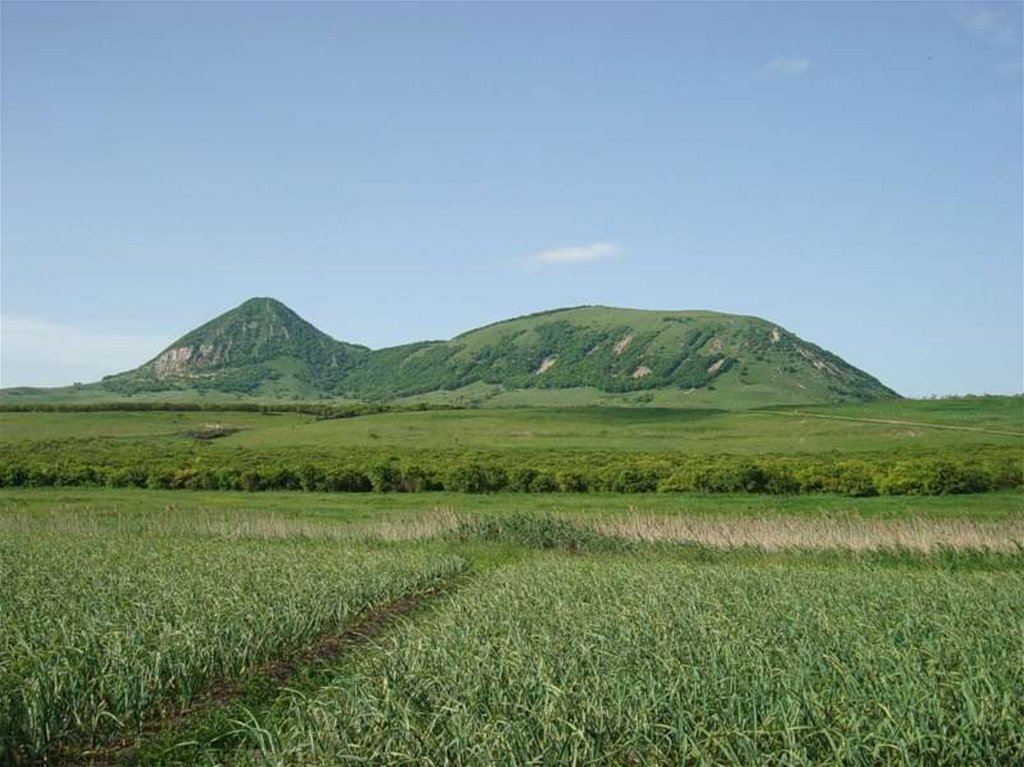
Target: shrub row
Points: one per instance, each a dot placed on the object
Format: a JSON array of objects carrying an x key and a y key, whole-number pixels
[{"x": 93, "y": 462}]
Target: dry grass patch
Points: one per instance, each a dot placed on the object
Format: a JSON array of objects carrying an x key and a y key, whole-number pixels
[
  {"x": 247, "y": 525},
  {"x": 778, "y": 532}
]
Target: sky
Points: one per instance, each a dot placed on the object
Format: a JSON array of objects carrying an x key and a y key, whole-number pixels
[{"x": 398, "y": 172}]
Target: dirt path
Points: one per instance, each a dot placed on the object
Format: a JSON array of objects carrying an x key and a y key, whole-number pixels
[
  {"x": 277, "y": 672},
  {"x": 924, "y": 424}
]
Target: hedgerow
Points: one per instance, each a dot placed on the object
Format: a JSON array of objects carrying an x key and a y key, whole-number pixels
[{"x": 198, "y": 466}]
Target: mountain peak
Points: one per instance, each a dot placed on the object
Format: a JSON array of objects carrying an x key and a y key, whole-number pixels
[
  {"x": 259, "y": 340},
  {"x": 262, "y": 303}
]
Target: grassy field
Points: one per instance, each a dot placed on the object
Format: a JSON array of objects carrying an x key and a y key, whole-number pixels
[
  {"x": 590, "y": 661},
  {"x": 929, "y": 448},
  {"x": 180, "y": 627},
  {"x": 902, "y": 425},
  {"x": 160, "y": 628},
  {"x": 106, "y": 624},
  {"x": 353, "y": 508},
  {"x": 703, "y": 431}
]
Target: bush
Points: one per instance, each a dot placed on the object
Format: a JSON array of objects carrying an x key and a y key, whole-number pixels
[
  {"x": 543, "y": 482},
  {"x": 853, "y": 478},
  {"x": 520, "y": 479},
  {"x": 630, "y": 479},
  {"x": 571, "y": 482},
  {"x": 347, "y": 481},
  {"x": 385, "y": 477},
  {"x": 467, "y": 478}
]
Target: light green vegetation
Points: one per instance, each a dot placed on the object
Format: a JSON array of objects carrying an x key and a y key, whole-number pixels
[
  {"x": 349, "y": 508},
  {"x": 692, "y": 431},
  {"x": 572, "y": 450},
  {"x": 992, "y": 413},
  {"x": 132, "y": 425},
  {"x": 94, "y": 393},
  {"x": 731, "y": 394},
  {"x": 587, "y": 661},
  {"x": 104, "y": 625},
  {"x": 985, "y": 421},
  {"x": 122, "y": 607}
]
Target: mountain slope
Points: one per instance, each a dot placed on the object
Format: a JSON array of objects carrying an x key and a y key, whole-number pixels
[
  {"x": 261, "y": 346},
  {"x": 581, "y": 355},
  {"x": 617, "y": 351}
]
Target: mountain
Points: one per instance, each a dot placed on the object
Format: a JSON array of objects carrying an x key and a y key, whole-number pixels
[
  {"x": 619, "y": 351},
  {"x": 260, "y": 345},
  {"x": 581, "y": 355}
]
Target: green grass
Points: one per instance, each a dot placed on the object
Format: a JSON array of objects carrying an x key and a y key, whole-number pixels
[
  {"x": 16, "y": 427},
  {"x": 606, "y": 429},
  {"x": 651, "y": 429},
  {"x": 345, "y": 508},
  {"x": 121, "y": 607},
  {"x": 94, "y": 393},
  {"x": 693, "y": 431},
  {"x": 106, "y": 625},
  {"x": 995, "y": 413},
  {"x": 598, "y": 661}
]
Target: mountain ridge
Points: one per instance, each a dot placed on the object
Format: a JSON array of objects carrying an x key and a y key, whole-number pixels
[{"x": 262, "y": 348}]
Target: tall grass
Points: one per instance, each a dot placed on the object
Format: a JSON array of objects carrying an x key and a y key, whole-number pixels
[
  {"x": 579, "y": 661},
  {"x": 101, "y": 629}
]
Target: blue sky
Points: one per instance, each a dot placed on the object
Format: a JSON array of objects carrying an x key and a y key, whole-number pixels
[{"x": 397, "y": 172}]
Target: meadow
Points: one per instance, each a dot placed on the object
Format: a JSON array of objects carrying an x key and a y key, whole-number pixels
[
  {"x": 590, "y": 661},
  {"x": 931, "y": 448},
  {"x": 144, "y": 627},
  {"x": 104, "y": 626},
  {"x": 611, "y": 610},
  {"x": 920, "y": 425}
]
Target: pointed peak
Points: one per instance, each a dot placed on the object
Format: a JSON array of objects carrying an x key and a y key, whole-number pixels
[
  {"x": 262, "y": 304},
  {"x": 262, "y": 301},
  {"x": 258, "y": 331}
]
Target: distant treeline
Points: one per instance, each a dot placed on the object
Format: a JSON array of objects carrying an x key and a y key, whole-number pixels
[
  {"x": 321, "y": 410},
  {"x": 200, "y": 466}
]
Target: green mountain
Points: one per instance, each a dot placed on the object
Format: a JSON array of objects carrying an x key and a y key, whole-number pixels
[
  {"x": 619, "y": 351},
  {"x": 582, "y": 355},
  {"x": 261, "y": 346}
]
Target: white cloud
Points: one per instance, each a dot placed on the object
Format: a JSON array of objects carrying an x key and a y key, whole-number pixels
[
  {"x": 785, "y": 66},
  {"x": 596, "y": 251},
  {"x": 37, "y": 352}
]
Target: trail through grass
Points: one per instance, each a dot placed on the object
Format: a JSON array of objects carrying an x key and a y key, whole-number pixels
[
  {"x": 598, "y": 661},
  {"x": 102, "y": 629},
  {"x": 920, "y": 424}
]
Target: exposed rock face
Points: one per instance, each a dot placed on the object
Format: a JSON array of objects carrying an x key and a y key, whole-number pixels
[
  {"x": 620, "y": 347},
  {"x": 545, "y": 365},
  {"x": 172, "y": 362},
  {"x": 183, "y": 360},
  {"x": 715, "y": 367}
]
